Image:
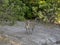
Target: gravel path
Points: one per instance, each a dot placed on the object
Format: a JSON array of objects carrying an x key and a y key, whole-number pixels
[{"x": 41, "y": 35}]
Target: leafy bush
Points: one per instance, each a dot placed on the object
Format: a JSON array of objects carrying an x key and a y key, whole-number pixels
[{"x": 46, "y": 10}]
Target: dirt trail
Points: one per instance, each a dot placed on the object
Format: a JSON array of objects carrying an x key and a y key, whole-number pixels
[{"x": 40, "y": 36}]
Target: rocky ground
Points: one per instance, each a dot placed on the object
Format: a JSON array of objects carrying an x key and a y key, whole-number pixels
[{"x": 42, "y": 35}]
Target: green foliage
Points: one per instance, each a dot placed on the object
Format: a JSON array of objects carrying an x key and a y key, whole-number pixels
[{"x": 46, "y": 10}]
